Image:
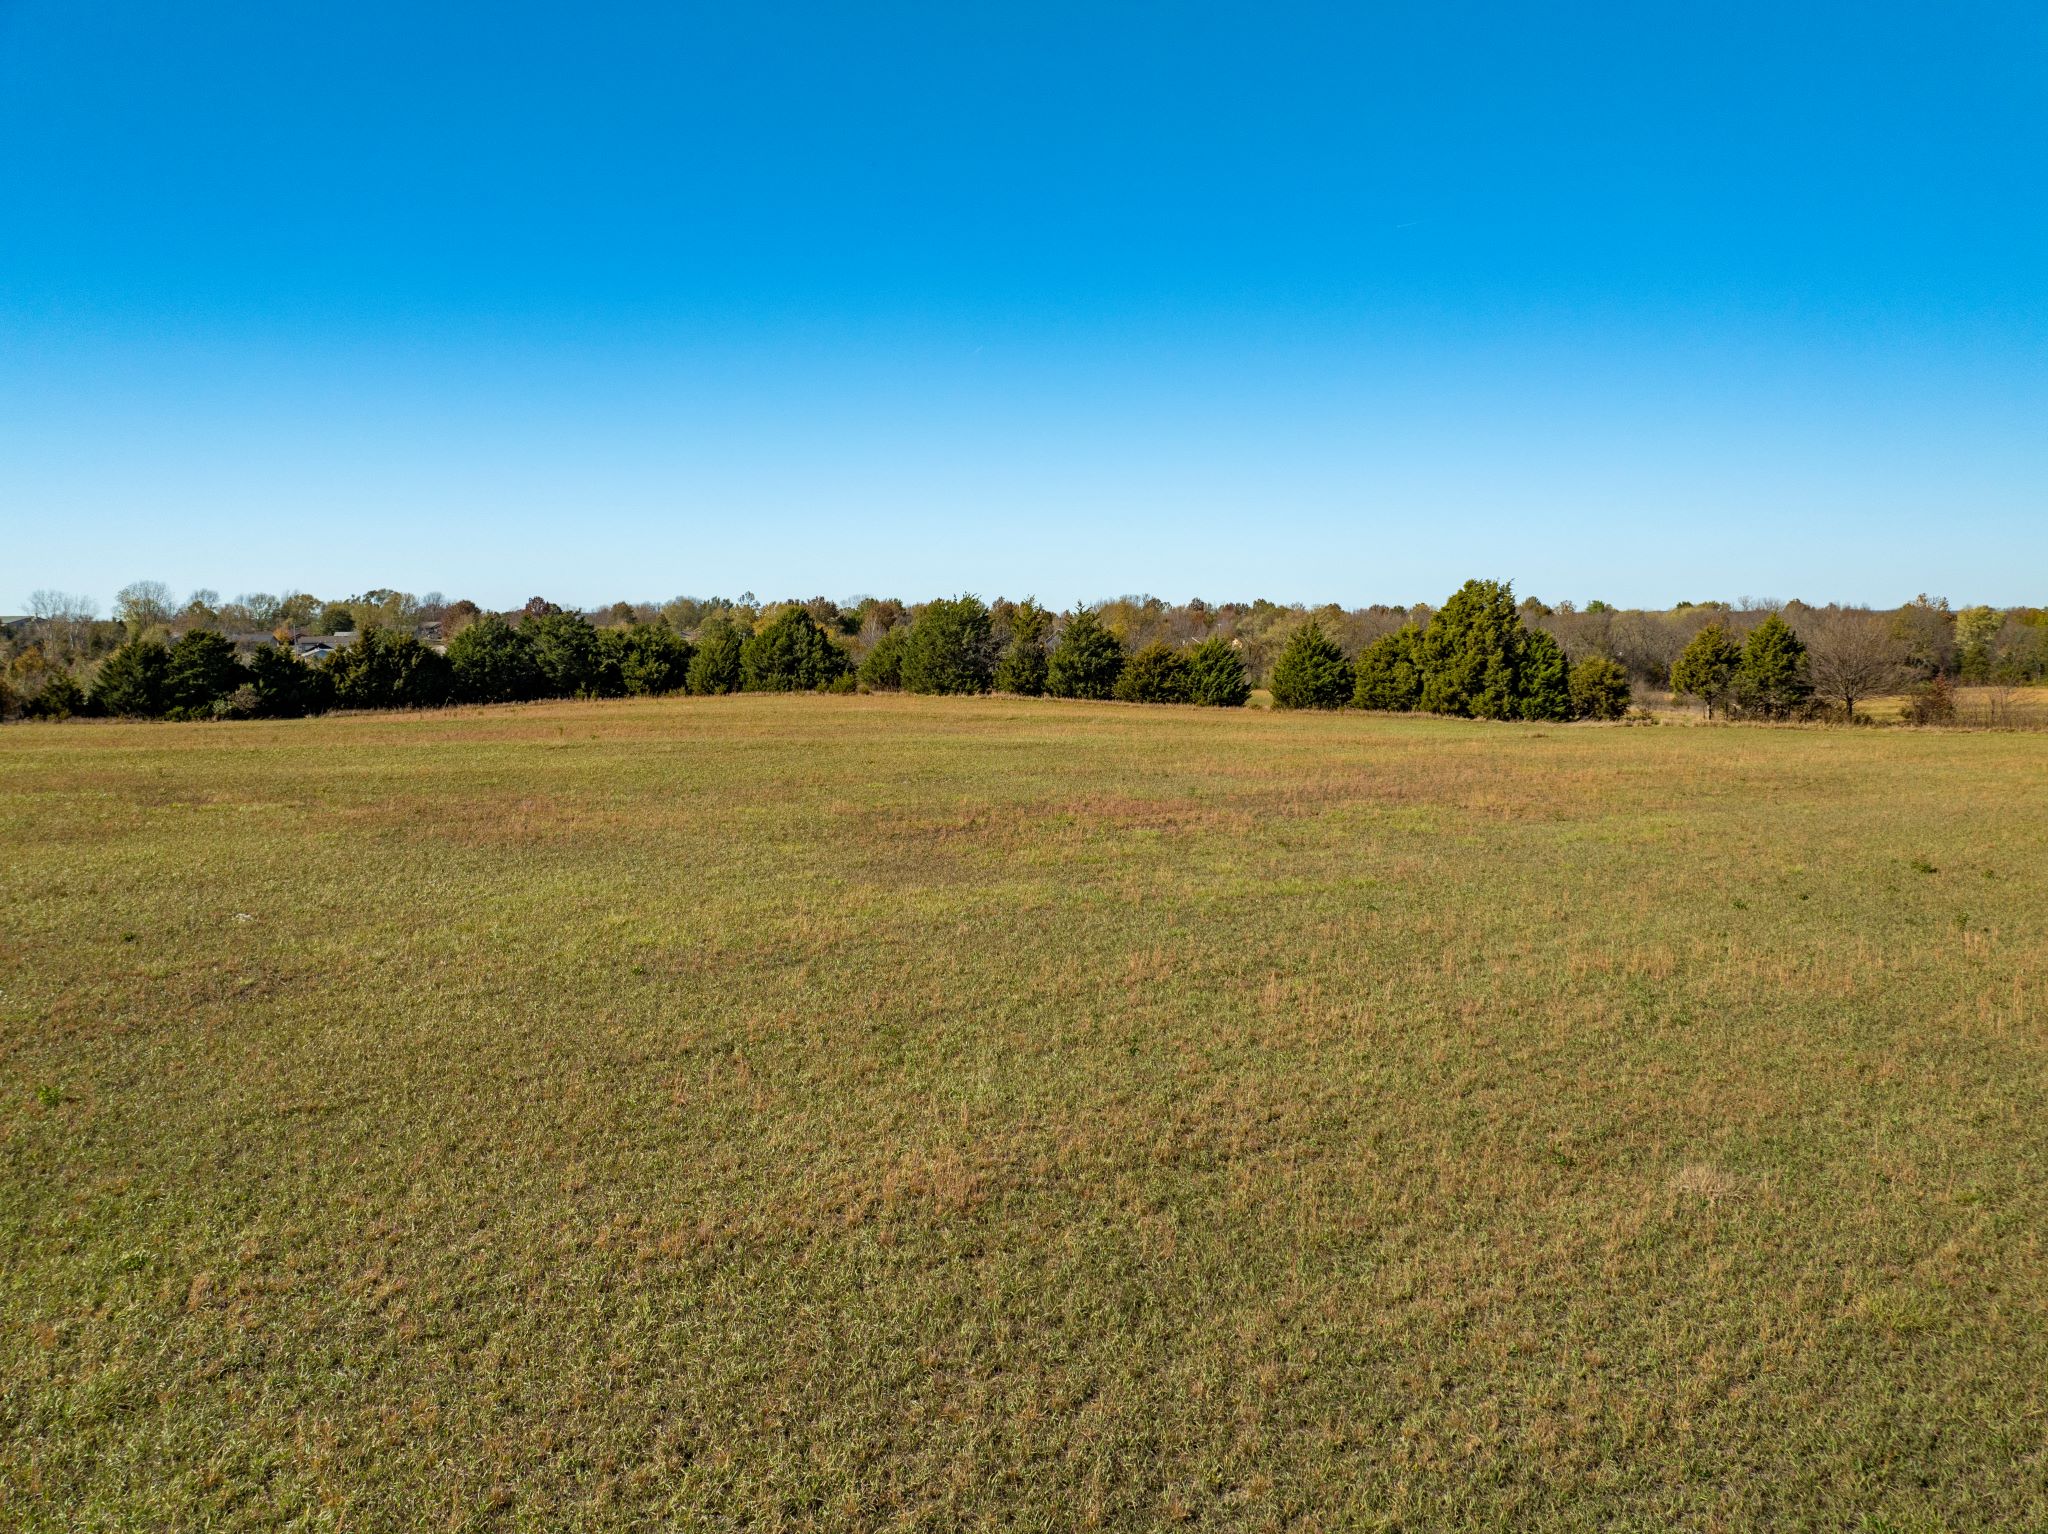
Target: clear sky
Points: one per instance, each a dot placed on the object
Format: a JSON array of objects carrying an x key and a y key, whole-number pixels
[{"x": 1635, "y": 301}]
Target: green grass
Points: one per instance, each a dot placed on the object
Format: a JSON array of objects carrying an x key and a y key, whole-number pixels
[{"x": 871, "y": 1113}]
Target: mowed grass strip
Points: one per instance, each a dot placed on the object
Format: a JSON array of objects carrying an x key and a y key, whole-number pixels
[{"x": 815, "y": 1113}]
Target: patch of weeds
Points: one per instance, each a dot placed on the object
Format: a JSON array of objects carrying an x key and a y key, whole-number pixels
[
  {"x": 1901, "y": 1310},
  {"x": 50, "y": 1095}
]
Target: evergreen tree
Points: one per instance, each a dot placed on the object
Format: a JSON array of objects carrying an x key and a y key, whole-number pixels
[
  {"x": 284, "y": 686},
  {"x": 649, "y": 659},
  {"x": 1705, "y": 669},
  {"x": 565, "y": 652},
  {"x": 492, "y": 662},
  {"x": 881, "y": 670},
  {"x": 1470, "y": 655},
  {"x": 715, "y": 668},
  {"x": 1216, "y": 674},
  {"x": 1544, "y": 688},
  {"x": 386, "y": 668},
  {"x": 1156, "y": 674},
  {"x": 131, "y": 681},
  {"x": 790, "y": 654},
  {"x": 1022, "y": 666},
  {"x": 201, "y": 670},
  {"x": 1390, "y": 673},
  {"x": 58, "y": 698},
  {"x": 1312, "y": 671},
  {"x": 950, "y": 648},
  {"x": 1599, "y": 688},
  {"x": 1772, "y": 680},
  {"x": 1087, "y": 660}
]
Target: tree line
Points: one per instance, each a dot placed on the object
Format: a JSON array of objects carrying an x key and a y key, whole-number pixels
[{"x": 1480, "y": 654}]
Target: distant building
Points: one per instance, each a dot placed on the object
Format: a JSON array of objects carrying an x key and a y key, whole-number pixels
[{"x": 315, "y": 648}]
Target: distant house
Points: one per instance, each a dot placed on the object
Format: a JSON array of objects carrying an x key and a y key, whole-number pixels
[{"x": 315, "y": 648}]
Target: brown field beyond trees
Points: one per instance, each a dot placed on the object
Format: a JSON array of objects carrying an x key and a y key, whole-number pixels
[{"x": 858, "y": 1112}]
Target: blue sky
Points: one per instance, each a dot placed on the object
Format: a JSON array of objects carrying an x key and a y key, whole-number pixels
[{"x": 1343, "y": 303}]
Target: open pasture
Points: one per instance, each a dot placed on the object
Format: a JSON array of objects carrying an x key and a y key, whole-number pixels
[{"x": 847, "y": 1113}]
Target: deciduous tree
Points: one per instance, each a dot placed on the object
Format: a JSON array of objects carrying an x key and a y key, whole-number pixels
[{"x": 1853, "y": 656}]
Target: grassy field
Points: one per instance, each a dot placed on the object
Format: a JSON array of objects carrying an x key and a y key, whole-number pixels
[{"x": 855, "y": 1113}]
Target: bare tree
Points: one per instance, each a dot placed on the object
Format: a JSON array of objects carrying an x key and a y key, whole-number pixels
[
  {"x": 143, "y": 605},
  {"x": 63, "y": 606},
  {"x": 1852, "y": 654}
]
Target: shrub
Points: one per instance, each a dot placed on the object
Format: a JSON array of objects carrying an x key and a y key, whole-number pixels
[
  {"x": 715, "y": 668},
  {"x": 1705, "y": 669},
  {"x": 131, "y": 681},
  {"x": 1934, "y": 703},
  {"x": 200, "y": 671},
  {"x": 790, "y": 654},
  {"x": 649, "y": 659},
  {"x": 950, "y": 649},
  {"x": 284, "y": 687},
  {"x": 492, "y": 662},
  {"x": 882, "y": 669},
  {"x": 1772, "y": 680},
  {"x": 1312, "y": 671},
  {"x": 239, "y": 703},
  {"x": 1544, "y": 689},
  {"x": 565, "y": 653},
  {"x": 59, "y": 698},
  {"x": 1390, "y": 672},
  {"x": 1156, "y": 674},
  {"x": 1216, "y": 674},
  {"x": 389, "y": 669},
  {"x": 1471, "y": 654},
  {"x": 1087, "y": 660},
  {"x": 1599, "y": 688}
]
